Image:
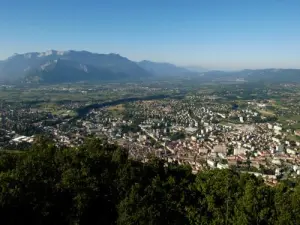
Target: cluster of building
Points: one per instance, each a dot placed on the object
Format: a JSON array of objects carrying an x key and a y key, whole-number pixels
[
  {"x": 202, "y": 132},
  {"x": 178, "y": 131}
]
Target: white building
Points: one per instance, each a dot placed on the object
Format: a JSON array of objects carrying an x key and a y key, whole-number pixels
[
  {"x": 240, "y": 151},
  {"x": 211, "y": 163},
  {"x": 277, "y": 128},
  {"x": 241, "y": 119},
  {"x": 222, "y": 166},
  {"x": 276, "y": 162},
  {"x": 290, "y": 151}
]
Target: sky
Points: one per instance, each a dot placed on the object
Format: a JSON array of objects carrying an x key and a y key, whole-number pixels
[{"x": 214, "y": 34}]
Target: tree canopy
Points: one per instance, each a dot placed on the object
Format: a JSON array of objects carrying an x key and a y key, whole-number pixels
[{"x": 97, "y": 183}]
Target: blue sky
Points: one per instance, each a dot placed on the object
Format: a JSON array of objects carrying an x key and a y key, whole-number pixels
[{"x": 219, "y": 34}]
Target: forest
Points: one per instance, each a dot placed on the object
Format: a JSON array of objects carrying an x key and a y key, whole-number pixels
[{"x": 97, "y": 183}]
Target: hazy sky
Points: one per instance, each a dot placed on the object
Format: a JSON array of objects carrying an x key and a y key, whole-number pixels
[{"x": 212, "y": 33}]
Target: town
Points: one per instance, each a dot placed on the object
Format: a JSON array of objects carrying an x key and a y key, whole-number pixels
[{"x": 206, "y": 127}]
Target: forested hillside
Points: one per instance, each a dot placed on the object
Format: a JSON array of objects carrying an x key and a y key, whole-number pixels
[{"x": 98, "y": 184}]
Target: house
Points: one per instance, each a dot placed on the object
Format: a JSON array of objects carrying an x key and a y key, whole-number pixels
[
  {"x": 222, "y": 166},
  {"x": 297, "y": 132},
  {"x": 276, "y": 162},
  {"x": 290, "y": 151},
  {"x": 219, "y": 149},
  {"x": 211, "y": 163},
  {"x": 240, "y": 151},
  {"x": 277, "y": 128},
  {"x": 241, "y": 119}
]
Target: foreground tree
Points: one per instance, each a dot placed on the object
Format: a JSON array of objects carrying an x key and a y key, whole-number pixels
[{"x": 97, "y": 183}]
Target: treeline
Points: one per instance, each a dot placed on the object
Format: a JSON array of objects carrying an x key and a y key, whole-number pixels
[{"x": 98, "y": 184}]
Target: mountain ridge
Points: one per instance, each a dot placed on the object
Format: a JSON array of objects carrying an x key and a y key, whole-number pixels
[
  {"x": 271, "y": 75},
  {"x": 21, "y": 66},
  {"x": 163, "y": 68},
  {"x": 63, "y": 70},
  {"x": 74, "y": 66}
]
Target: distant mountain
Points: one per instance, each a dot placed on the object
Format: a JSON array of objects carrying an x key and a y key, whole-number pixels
[
  {"x": 163, "y": 69},
  {"x": 271, "y": 75},
  {"x": 196, "y": 69},
  {"x": 63, "y": 70},
  {"x": 73, "y": 66},
  {"x": 69, "y": 65},
  {"x": 1, "y": 65},
  {"x": 260, "y": 75}
]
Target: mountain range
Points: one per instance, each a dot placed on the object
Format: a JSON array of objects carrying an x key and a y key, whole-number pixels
[
  {"x": 259, "y": 75},
  {"x": 163, "y": 69},
  {"x": 72, "y": 66}
]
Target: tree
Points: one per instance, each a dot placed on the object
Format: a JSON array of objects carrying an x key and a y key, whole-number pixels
[{"x": 97, "y": 183}]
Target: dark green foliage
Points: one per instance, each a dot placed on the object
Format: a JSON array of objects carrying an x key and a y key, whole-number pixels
[
  {"x": 130, "y": 128},
  {"x": 97, "y": 184},
  {"x": 177, "y": 135}
]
